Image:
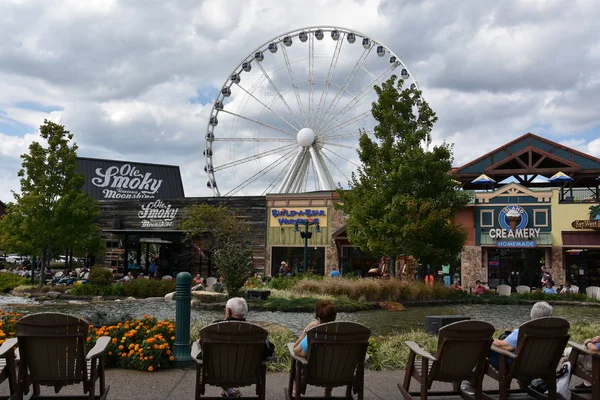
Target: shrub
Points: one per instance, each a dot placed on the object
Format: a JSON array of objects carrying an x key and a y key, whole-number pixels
[
  {"x": 135, "y": 288},
  {"x": 10, "y": 281},
  {"x": 100, "y": 276},
  {"x": 538, "y": 295},
  {"x": 288, "y": 282},
  {"x": 234, "y": 262}
]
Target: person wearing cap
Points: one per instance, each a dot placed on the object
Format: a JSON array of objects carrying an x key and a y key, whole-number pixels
[{"x": 282, "y": 269}]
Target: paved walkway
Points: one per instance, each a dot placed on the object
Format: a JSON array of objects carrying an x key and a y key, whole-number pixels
[{"x": 179, "y": 384}]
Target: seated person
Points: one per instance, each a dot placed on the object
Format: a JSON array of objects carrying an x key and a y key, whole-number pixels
[
  {"x": 479, "y": 288},
  {"x": 548, "y": 289},
  {"x": 567, "y": 289},
  {"x": 236, "y": 309},
  {"x": 585, "y": 361},
  {"x": 455, "y": 286},
  {"x": 325, "y": 311},
  {"x": 334, "y": 273},
  {"x": 539, "y": 310}
]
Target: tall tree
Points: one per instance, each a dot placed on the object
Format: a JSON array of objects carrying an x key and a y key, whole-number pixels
[
  {"x": 223, "y": 233},
  {"x": 52, "y": 212},
  {"x": 402, "y": 200}
]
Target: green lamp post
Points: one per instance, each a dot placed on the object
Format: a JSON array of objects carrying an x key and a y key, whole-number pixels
[{"x": 306, "y": 234}]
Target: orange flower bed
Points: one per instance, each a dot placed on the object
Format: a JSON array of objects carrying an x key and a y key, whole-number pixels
[{"x": 142, "y": 344}]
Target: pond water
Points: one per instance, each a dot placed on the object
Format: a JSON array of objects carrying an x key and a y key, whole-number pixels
[{"x": 381, "y": 322}]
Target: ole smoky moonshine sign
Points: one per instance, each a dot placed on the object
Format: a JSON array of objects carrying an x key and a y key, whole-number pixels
[{"x": 122, "y": 180}]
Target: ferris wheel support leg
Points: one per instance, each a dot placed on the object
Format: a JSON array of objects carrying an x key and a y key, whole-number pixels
[
  {"x": 321, "y": 170},
  {"x": 301, "y": 176},
  {"x": 328, "y": 177},
  {"x": 292, "y": 171}
]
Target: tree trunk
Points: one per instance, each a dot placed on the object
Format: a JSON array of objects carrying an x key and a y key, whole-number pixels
[
  {"x": 392, "y": 265},
  {"x": 43, "y": 264}
]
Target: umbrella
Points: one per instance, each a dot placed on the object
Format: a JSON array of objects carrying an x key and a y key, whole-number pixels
[
  {"x": 560, "y": 177},
  {"x": 483, "y": 179}
]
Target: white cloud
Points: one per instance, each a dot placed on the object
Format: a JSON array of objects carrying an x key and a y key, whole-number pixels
[{"x": 122, "y": 73}]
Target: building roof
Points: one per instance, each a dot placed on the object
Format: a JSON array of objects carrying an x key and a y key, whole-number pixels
[{"x": 529, "y": 157}]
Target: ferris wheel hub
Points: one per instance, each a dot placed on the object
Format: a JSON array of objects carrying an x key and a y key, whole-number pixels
[{"x": 305, "y": 137}]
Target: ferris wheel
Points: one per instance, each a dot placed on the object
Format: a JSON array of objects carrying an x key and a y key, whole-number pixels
[{"x": 289, "y": 115}]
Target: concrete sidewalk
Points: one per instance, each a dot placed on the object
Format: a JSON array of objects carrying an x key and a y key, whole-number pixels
[{"x": 179, "y": 384}]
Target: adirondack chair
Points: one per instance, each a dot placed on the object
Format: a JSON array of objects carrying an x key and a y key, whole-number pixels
[
  {"x": 503, "y": 290},
  {"x": 540, "y": 345},
  {"x": 230, "y": 354},
  {"x": 592, "y": 376},
  {"x": 7, "y": 365},
  {"x": 461, "y": 355},
  {"x": 52, "y": 353},
  {"x": 574, "y": 289},
  {"x": 593, "y": 292},
  {"x": 336, "y": 357},
  {"x": 523, "y": 289}
]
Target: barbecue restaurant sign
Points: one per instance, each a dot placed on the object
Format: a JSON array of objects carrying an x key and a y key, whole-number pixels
[
  {"x": 126, "y": 182},
  {"x": 157, "y": 214}
]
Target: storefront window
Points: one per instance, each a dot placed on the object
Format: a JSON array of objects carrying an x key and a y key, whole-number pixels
[
  {"x": 583, "y": 267},
  {"x": 356, "y": 261},
  {"x": 515, "y": 267},
  {"x": 294, "y": 257}
]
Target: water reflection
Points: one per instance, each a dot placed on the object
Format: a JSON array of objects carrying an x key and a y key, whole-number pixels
[{"x": 381, "y": 322}]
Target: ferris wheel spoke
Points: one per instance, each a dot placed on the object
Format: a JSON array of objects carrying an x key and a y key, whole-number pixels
[
  {"x": 359, "y": 96},
  {"x": 288, "y": 65},
  {"x": 277, "y": 178},
  {"x": 342, "y": 157},
  {"x": 259, "y": 174},
  {"x": 253, "y": 157},
  {"x": 361, "y": 60},
  {"x": 346, "y": 123},
  {"x": 278, "y": 93},
  {"x": 346, "y": 146},
  {"x": 332, "y": 65},
  {"x": 269, "y": 108},
  {"x": 323, "y": 175},
  {"x": 311, "y": 77},
  {"x": 258, "y": 122},
  {"x": 254, "y": 139},
  {"x": 327, "y": 159},
  {"x": 347, "y": 135}
]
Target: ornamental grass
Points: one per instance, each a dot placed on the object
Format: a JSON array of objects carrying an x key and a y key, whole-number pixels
[{"x": 375, "y": 289}]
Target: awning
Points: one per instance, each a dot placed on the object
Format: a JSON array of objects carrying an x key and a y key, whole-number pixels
[
  {"x": 154, "y": 241},
  {"x": 581, "y": 238}
]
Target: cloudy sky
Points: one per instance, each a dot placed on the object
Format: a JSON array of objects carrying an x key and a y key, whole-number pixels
[{"x": 136, "y": 79}]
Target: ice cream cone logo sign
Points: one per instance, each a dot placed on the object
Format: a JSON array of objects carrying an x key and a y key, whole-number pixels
[{"x": 513, "y": 221}]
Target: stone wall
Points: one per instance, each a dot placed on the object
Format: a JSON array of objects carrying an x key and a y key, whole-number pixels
[
  {"x": 557, "y": 265},
  {"x": 337, "y": 220},
  {"x": 472, "y": 266}
]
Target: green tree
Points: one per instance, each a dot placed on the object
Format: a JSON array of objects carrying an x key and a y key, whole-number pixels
[
  {"x": 402, "y": 200},
  {"x": 213, "y": 225},
  {"x": 52, "y": 212},
  {"x": 225, "y": 235},
  {"x": 234, "y": 262}
]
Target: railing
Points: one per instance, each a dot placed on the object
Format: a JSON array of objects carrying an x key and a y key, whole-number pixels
[{"x": 579, "y": 195}]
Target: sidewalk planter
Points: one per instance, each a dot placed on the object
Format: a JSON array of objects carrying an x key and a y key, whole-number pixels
[{"x": 259, "y": 294}]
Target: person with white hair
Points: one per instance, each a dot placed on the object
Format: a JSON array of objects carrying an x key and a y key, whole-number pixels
[
  {"x": 236, "y": 309},
  {"x": 540, "y": 309}
]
